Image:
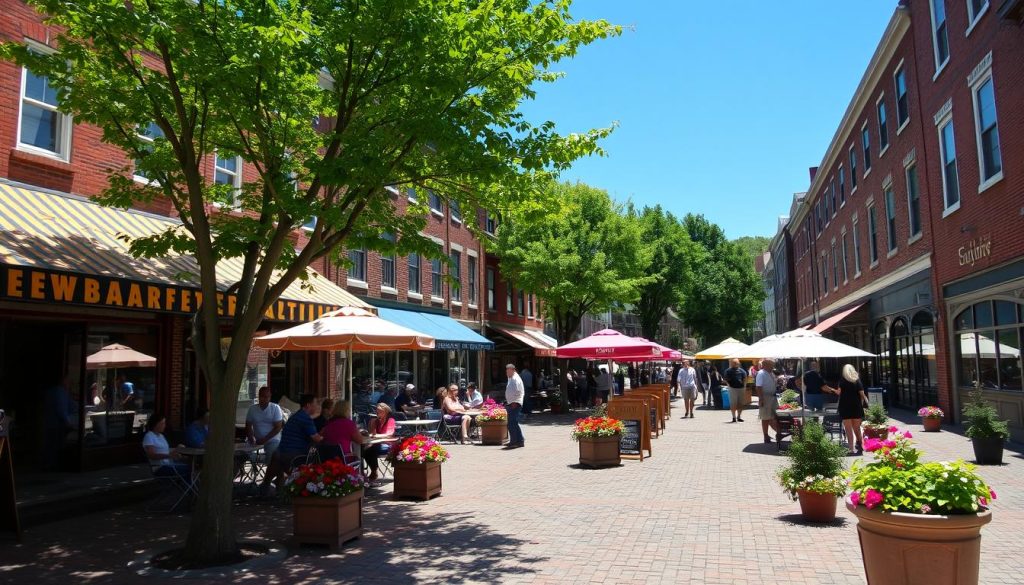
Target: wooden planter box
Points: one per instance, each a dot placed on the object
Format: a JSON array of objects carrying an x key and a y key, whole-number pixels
[
  {"x": 417, "y": 480},
  {"x": 493, "y": 432},
  {"x": 600, "y": 451},
  {"x": 330, "y": 521},
  {"x": 904, "y": 549}
]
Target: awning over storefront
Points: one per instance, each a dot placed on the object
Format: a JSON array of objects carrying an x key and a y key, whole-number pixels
[
  {"x": 63, "y": 249},
  {"x": 447, "y": 332},
  {"x": 828, "y": 323},
  {"x": 542, "y": 345}
]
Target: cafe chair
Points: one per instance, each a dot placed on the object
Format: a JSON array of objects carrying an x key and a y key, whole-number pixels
[
  {"x": 433, "y": 433},
  {"x": 831, "y": 422},
  {"x": 446, "y": 431},
  {"x": 173, "y": 488}
]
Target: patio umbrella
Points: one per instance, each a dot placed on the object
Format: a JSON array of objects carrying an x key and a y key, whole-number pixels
[
  {"x": 610, "y": 345},
  {"x": 346, "y": 329},
  {"x": 799, "y": 344},
  {"x": 986, "y": 348},
  {"x": 727, "y": 347},
  {"x": 116, "y": 355}
]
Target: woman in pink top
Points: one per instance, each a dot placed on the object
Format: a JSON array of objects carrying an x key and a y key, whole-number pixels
[
  {"x": 341, "y": 431},
  {"x": 381, "y": 427}
]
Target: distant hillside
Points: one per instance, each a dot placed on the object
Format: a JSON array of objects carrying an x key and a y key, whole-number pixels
[{"x": 753, "y": 245}]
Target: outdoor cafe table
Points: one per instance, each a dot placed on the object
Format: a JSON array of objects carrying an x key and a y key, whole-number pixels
[
  {"x": 417, "y": 423},
  {"x": 196, "y": 453}
]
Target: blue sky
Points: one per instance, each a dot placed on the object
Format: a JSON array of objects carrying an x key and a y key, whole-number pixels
[{"x": 722, "y": 106}]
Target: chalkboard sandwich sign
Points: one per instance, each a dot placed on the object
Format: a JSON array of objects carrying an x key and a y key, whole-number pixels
[
  {"x": 636, "y": 435},
  {"x": 599, "y": 438}
]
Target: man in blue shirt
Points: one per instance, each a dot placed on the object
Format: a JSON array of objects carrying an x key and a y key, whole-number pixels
[
  {"x": 196, "y": 433},
  {"x": 127, "y": 390},
  {"x": 298, "y": 435},
  {"x": 815, "y": 384}
]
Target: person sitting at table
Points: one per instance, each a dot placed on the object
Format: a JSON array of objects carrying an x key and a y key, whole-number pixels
[
  {"x": 339, "y": 434},
  {"x": 439, "y": 397},
  {"x": 407, "y": 402},
  {"x": 380, "y": 427},
  {"x": 298, "y": 435},
  {"x": 454, "y": 413},
  {"x": 389, "y": 397},
  {"x": 473, "y": 396},
  {"x": 162, "y": 459},
  {"x": 196, "y": 433},
  {"x": 326, "y": 409}
]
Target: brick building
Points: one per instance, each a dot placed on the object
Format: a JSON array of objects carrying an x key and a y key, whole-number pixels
[{"x": 907, "y": 244}]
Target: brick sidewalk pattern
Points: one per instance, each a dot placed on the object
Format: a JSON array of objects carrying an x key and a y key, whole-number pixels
[{"x": 704, "y": 509}]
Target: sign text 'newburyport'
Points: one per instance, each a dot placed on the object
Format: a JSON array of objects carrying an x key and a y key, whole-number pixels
[{"x": 51, "y": 286}]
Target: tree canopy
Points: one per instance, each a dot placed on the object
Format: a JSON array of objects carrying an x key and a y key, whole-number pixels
[
  {"x": 674, "y": 259},
  {"x": 329, "y": 102}
]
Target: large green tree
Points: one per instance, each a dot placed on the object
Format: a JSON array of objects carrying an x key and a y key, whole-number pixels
[
  {"x": 674, "y": 258},
  {"x": 584, "y": 255},
  {"x": 725, "y": 297},
  {"x": 329, "y": 101}
]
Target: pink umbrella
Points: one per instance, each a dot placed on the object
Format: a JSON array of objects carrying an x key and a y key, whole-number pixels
[{"x": 610, "y": 344}]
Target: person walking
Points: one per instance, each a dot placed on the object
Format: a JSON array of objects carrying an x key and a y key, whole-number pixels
[
  {"x": 687, "y": 381},
  {"x": 852, "y": 401},
  {"x": 736, "y": 379},
  {"x": 714, "y": 385},
  {"x": 815, "y": 386},
  {"x": 514, "y": 395},
  {"x": 673, "y": 384},
  {"x": 767, "y": 403}
]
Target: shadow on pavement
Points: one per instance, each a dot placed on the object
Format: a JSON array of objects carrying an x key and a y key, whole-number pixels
[
  {"x": 798, "y": 520},
  {"x": 763, "y": 449}
]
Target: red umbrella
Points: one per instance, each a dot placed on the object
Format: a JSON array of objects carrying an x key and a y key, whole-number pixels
[{"x": 612, "y": 345}]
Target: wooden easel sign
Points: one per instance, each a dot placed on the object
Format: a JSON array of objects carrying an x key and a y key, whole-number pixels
[
  {"x": 637, "y": 438},
  {"x": 9, "y": 521}
]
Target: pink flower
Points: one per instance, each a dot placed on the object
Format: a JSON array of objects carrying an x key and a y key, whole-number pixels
[
  {"x": 926, "y": 509},
  {"x": 873, "y": 498},
  {"x": 907, "y": 435},
  {"x": 855, "y": 498},
  {"x": 893, "y": 429},
  {"x": 888, "y": 444},
  {"x": 992, "y": 493},
  {"x": 983, "y": 501},
  {"x": 872, "y": 444}
]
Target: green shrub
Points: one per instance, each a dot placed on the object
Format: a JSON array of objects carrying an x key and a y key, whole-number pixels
[
  {"x": 815, "y": 463},
  {"x": 982, "y": 419}
]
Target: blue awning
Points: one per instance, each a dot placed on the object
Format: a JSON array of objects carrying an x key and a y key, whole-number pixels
[{"x": 447, "y": 332}]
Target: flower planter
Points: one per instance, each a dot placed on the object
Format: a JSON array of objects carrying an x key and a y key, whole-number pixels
[
  {"x": 906, "y": 549},
  {"x": 932, "y": 425},
  {"x": 871, "y": 432},
  {"x": 817, "y": 507},
  {"x": 556, "y": 407},
  {"x": 988, "y": 450},
  {"x": 421, "y": 481},
  {"x": 330, "y": 521},
  {"x": 600, "y": 451},
  {"x": 493, "y": 432}
]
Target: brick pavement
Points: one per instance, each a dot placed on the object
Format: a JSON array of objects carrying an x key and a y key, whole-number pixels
[{"x": 704, "y": 509}]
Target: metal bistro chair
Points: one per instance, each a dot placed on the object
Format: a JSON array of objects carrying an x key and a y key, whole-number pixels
[
  {"x": 832, "y": 423},
  {"x": 172, "y": 487},
  {"x": 434, "y": 433}
]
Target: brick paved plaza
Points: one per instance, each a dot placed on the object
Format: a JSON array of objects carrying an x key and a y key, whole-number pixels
[{"x": 704, "y": 509}]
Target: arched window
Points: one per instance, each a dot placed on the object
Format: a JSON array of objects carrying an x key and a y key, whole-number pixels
[
  {"x": 881, "y": 349},
  {"x": 988, "y": 342}
]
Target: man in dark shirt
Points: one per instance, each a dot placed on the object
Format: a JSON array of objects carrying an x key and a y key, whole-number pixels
[
  {"x": 814, "y": 384},
  {"x": 298, "y": 435}
]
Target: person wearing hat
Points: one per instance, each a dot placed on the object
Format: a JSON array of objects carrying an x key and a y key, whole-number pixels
[
  {"x": 407, "y": 402},
  {"x": 515, "y": 393},
  {"x": 765, "y": 384}
]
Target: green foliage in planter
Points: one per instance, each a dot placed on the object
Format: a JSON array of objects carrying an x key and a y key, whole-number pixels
[
  {"x": 982, "y": 419},
  {"x": 876, "y": 416},
  {"x": 789, "y": 396},
  {"x": 812, "y": 454}
]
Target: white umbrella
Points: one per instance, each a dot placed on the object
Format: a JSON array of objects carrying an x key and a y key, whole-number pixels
[
  {"x": 986, "y": 348},
  {"x": 799, "y": 344},
  {"x": 727, "y": 347}
]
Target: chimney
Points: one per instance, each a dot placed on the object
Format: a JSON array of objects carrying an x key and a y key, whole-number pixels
[{"x": 814, "y": 172}]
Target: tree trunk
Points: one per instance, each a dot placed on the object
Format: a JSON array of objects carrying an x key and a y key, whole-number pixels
[{"x": 211, "y": 536}]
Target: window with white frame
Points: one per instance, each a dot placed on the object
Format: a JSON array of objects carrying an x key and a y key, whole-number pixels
[
  {"x": 883, "y": 128},
  {"x": 415, "y": 262},
  {"x": 940, "y": 37},
  {"x": 436, "y": 278},
  {"x": 842, "y": 186},
  {"x": 986, "y": 126},
  {"x": 529, "y": 306},
  {"x": 491, "y": 224},
  {"x": 913, "y": 200},
  {"x": 41, "y": 127},
  {"x": 509, "y": 297},
  {"x": 846, "y": 273},
  {"x": 835, "y": 266},
  {"x": 865, "y": 141},
  {"x": 824, "y": 273},
  {"x": 146, "y": 134},
  {"x": 387, "y": 266},
  {"x": 455, "y": 209},
  {"x": 824, "y": 206},
  {"x": 902, "y": 101},
  {"x": 471, "y": 280},
  {"x": 410, "y": 193},
  {"x": 853, "y": 169},
  {"x": 975, "y": 8},
  {"x": 832, "y": 194},
  {"x": 490, "y": 288},
  {"x": 455, "y": 275},
  {"x": 890, "y": 217},
  {"x": 522, "y": 302},
  {"x": 357, "y": 264},
  {"x": 855, "y": 228},
  {"x": 947, "y": 156},
  {"x": 872, "y": 235},
  {"x": 227, "y": 170},
  {"x": 435, "y": 201}
]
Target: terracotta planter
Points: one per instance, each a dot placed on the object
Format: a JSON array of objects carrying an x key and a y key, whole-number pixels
[
  {"x": 907, "y": 549},
  {"x": 330, "y": 521},
  {"x": 988, "y": 450},
  {"x": 932, "y": 425},
  {"x": 871, "y": 432},
  {"x": 556, "y": 407},
  {"x": 417, "y": 480},
  {"x": 600, "y": 451},
  {"x": 817, "y": 507},
  {"x": 493, "y": 432}
]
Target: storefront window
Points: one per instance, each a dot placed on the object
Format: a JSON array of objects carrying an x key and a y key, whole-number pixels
[
  {"x": 988, "y": 352},
  {"x": 881, "y": 345},
  {"x": 362, "y": 381},
  {"x": 119, "y": 400}
]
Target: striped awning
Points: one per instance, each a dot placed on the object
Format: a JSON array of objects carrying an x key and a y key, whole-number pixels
[{"x": 66, "y": 249}]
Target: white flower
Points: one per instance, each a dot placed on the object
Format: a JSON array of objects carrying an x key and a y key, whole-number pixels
[
  {"x": 945, "y": 475},
  {"x": 963, "y": 479}
]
